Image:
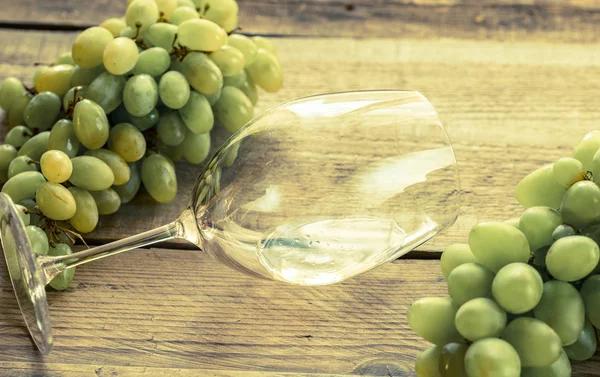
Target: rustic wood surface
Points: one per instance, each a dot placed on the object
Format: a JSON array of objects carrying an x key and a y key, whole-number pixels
[{"x": 514, "y": 81}]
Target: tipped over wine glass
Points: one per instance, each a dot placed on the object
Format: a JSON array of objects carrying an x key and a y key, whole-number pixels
[{"x": 312, "y": 192}]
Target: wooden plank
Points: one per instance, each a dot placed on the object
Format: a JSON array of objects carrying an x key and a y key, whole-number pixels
[
  {"x": 182, "y": 310},
  {"x": 509, "y": 107},
  {"x": 569, "y": 20}
]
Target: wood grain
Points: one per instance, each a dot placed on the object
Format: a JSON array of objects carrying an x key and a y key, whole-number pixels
[
  {"x": 568, "y": 20},
  {"x": 509, "y": 107},
  {"x": 136, "y": 313}
]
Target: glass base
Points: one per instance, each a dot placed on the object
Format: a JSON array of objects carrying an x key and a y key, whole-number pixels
[{"x": 26, "y": 275}]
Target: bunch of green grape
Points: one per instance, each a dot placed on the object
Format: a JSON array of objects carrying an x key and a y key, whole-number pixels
[
  {"x": 133, "y": 96},
  {"x": 524, "y": 293}
]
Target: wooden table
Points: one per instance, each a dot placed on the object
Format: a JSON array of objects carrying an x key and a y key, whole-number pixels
[{"x": 515, "y": 81}]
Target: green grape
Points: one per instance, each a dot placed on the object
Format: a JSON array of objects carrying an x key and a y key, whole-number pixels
[
  {"x": 213, "y": 98},
  {"x": 63, "y": 138},
  {"x": 56, "y": 79},
  {"x": 229, "y": 60},
  {"x": 197, "y": 114},
  {"x": 107, "y": 91},
  {"x": 517, "y": 288},
  {"x": 91, "y": 173},
  {"x": 222, "y": 12},
  {"x": 88, "y": 47},
  {"x": 131, "y": 32},
  {"x": 174, "y": 90},
  {"x": 64, "y": 58},
  {"x": 127, "y": 141},
  {"x": 171, "y": 129},
  {"x": 539, "y": 258},
  {"x": 590, "y": 291},
  {"x": 17, "y": 110},
  {"x": 128, "y": 190},
  {"x": 428, "y": 363},
  {"x": 120, "y": 56},
  {"x": 42, "y": 111},
  {"x": 580, "y": 206},
  {"x": 195, "y": 147},
  {"x": 161, "y": 35},
  {"x": 587, "y": 147},
  {"x": 143, "y": 12},
  {"x": 114, "y": 25},
  {"x": 560, "y": 368},
  {"x": 562, "y": 231},
  {"x": 266, "y": 71},
  {"x": 172, "y": 153},
  {"x": 213, "y": 36},
  {"x": 497, "y": 244},
  {"x": 233, "y": 109},
  {"x": 236, "y": 80},
  {"x": 71, "y": 96},
  {"x": 85, "y": 218},
  {"x": 118, "y": 166},
  {"x": 249, "y": 89},
  {"x": 568, "y": 170},
  {"x": 572, "y": 258},
  {"x": 140, "y": 95},
  {"x": 166, "y": 8},
  {"x": 33, "y": 212},
  {"x": 10, "y": 89},
  {"x": 585, "y": 346},
  {"x": 452, "y": 360},
  {"x": 154, "y": 62},
  {"x": 186, "y": 3},
  {"x": 480, "y": 318},
  {"x": 492, "y": 357},
  {"x": 55, "y": 201},
  {"x": 146, "y": 122},
  {"x": 469, "y": 281},
  {"x": 85, "y": 76},
  {"x": 23, "y": 214},
  {"x": 35, "y": 147},
  {"x": 56, "y": 166},
  {"x": 107, "y": 201},
  {"x": 265, "y": 44},
  {"x": 231, "y": 154},
  {"x": 245, "y": 45},
  {"x": 182, "y": 14},
  {"x": 562, "y": 308},
  {"x": 38, "y": 239},
  {"x": 540, "y": 188},
  {"x": 432, "y": 318},
  {"x": 535, "y": 342},
  {"x": 7, "y": 154},
  {"x": 90, "y": 124},
  {"x": 61, "y": 281},
  {"x": 21, "y": 164},
  {"x": 537, "y": 224},
  {"x": 513, "y": 222},
  {"x": 201, "y": 72},
  {"x": 158, "y": 177},
  {"x": 453, "y": 256}
]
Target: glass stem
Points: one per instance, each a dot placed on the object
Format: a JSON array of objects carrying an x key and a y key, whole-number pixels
[{"x": 53, "y": 266}]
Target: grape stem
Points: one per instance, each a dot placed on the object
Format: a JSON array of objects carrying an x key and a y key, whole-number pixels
[
  {"x": 71, "y": 105},
  {"x": 237, "y": 29},
  {"x": 137, "y": 39},
  {"x": 54, "y": 230}
]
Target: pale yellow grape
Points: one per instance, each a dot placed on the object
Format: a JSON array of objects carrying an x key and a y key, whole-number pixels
[
  {"x": 233, "y": 109},
  {"x": 229, "y": 60},
  {"x": 55, "y": 201},
  {"x": 266, "y": 71},
  {"x": 120, "y": 56},
  {"x": 245, "y": 45},
  {"x": 568, "y": 171},
  {"x": 166, "y": 7},
  {"x": 56, "y": 166},
  {"x": 197, "y": 114},
  {"x": 186, "y": 3},
  {"x": 142, "y": 12},
  {"x": 432, "y": 318},
  {"x": 264, "y": 43},
  {"x": 212, "y": 36},
  {"x": 540, "y": 188},
  {"x": 230, "y": 24},
  {"x": 201, "y": 72},
  {"x": 587, "y": 147},
  {"x": 115, "y": 162},
  {"x": 127, "y": 141},
  {"x": 88, "y": 47},
  {"x": 161, "y": 35},
  {"x": 56, "y": 79},
  {"x": 64, "y": 58},
  {"x": 114, "y": 25},
  {"x": 428, "y": 363},
  {"x": 85, "y": 218},
  {"x": 182, "y": 14},
  {"x": 223, "y": 12}
]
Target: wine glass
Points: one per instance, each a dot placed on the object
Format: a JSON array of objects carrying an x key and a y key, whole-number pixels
[{"x": 312, "y": 192}]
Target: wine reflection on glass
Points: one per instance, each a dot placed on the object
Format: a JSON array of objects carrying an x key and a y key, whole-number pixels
[{"x": 312, "y": 192}]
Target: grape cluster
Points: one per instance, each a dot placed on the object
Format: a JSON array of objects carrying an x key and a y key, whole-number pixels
[
  {"x": 133, "y": 96},
  {"x": 524, "y": 293}
]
